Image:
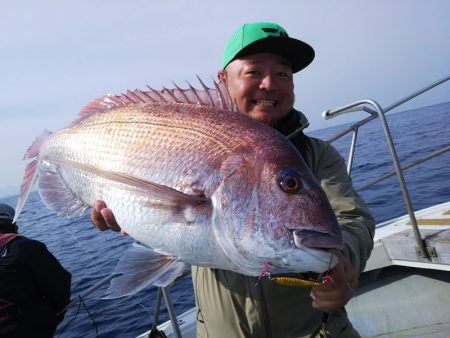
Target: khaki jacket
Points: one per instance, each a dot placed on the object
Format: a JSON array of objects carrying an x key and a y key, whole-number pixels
[{"x": 233, "y": 305}]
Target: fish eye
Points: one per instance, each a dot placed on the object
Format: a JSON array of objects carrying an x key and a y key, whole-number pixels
[{"x": 289, "y": 182}]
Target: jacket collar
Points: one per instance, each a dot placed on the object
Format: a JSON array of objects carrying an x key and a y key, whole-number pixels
[
  {"x": 5, "y": 238},
  {"x": 293, "y": 124}
]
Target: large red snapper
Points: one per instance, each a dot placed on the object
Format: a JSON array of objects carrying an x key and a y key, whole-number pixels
[{"x": 192, "y": 180}]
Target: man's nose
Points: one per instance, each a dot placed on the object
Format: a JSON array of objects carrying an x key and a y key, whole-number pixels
[{"x": 267, "y": 83}]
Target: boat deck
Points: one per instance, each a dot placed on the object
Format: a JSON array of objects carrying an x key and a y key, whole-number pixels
[
  {"x": 402, "y": 294},
  {"x": 394, "y": 242}
]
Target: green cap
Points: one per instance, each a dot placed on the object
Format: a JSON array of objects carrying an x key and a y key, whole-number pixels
[{"x": 267, "y": 37}]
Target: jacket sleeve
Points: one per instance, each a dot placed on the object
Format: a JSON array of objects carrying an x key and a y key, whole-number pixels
[
  {"x": 357, "y": 223},
  {"x": 52, "y": 280}
]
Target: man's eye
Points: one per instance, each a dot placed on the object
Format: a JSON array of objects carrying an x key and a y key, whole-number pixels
[{"x": 283, "y": 74}]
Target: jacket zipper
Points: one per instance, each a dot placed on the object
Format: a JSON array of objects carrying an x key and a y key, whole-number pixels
[{"x": 264, "y": 312}]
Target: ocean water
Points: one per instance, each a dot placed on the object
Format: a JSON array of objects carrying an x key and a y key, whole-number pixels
[{"x": 91, "y": 255}]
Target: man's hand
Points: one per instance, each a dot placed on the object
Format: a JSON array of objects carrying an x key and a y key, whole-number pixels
[
  {"x": 103, "y": 218},
  {"x": 333, "y": 295}
]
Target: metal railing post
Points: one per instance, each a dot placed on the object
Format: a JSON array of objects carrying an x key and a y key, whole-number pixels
[
  {"x": 352, "y": 151},
  {"x": 358, "y": 104},
  {"x": 171, "y": 310},
  {"x": 419, "y": 241}
]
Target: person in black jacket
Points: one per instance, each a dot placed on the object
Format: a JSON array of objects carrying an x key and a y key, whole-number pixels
[{"x": 34, "y": 287}]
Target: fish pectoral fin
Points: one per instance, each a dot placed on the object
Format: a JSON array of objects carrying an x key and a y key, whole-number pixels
[
  {"x": 153, "y": 190},
  {"x": 141, "y": 266},
  {"x": 157, "y": 191}
]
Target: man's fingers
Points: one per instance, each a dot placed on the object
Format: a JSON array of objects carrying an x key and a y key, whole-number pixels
[
  {"x": 330, "y": 304},
  {"x": 103, "y": 218},
  {"x": 333, "y": 295},
  {"x": 97, "y": 219},
  {"x": 110, "y": 220},
  {"x": 99, "y": 205}
]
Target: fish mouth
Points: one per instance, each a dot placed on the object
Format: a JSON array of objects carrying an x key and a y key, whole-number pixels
[{"x": 316, "y": 240}]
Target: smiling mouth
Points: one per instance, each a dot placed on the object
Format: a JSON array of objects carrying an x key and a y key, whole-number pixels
[{"x": 269, "y": 103}]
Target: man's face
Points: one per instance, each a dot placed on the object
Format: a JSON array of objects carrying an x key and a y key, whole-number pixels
[{"x": 262, "y": 86}]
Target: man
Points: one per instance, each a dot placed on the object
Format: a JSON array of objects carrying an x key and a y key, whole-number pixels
[
  {"x": 34, "y": 287},
  {"x": 258, "y": 66}
]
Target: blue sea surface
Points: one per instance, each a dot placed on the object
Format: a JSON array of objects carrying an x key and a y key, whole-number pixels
[{"x": 90, "y": 255}]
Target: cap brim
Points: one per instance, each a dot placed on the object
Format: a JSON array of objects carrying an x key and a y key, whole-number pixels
[{"x": 297, "y": 52}]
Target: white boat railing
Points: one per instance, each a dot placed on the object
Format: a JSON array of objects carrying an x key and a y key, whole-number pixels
[
  {"x": 377, "y": 111},
  {"x": 373, "y": 116},
  {"x": 405, "y": 167}
]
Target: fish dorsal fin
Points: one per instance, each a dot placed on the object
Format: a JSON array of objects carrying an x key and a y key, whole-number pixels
[{"x": 217, "y": 97}]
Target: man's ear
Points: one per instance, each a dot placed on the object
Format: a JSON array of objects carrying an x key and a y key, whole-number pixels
[{"x": 222, "y": 76}]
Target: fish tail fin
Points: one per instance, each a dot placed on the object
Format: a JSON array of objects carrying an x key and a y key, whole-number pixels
[
  {"x": 31, "y": 171},
  {"x": 34, "y": 149},
  {"x": 141, "y": 266},
  {"x": 30, "y": 177}
]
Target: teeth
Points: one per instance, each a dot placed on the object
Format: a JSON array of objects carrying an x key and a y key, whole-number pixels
[{"x": 266, "y": 102}]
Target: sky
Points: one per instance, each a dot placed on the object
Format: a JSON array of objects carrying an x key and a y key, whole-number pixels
[{"x": 56, "y": 56}]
